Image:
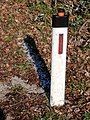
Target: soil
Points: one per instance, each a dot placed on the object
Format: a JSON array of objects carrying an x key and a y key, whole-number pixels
[{"x": 21, "y": 96}]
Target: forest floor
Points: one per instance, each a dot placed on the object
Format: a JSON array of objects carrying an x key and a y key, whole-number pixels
[{"x": 21, "y": 96}]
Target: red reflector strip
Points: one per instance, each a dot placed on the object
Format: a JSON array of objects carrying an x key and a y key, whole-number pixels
[{"x": 60, "y": 47}]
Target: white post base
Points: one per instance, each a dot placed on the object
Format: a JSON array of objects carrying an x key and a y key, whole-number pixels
[{"x": 58, "y": 68}]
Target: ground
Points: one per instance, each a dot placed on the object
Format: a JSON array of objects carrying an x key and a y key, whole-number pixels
[{"x": 21, "y": 17}]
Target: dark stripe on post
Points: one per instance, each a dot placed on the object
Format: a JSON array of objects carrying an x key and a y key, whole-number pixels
[{"x": 60, "y": 48}]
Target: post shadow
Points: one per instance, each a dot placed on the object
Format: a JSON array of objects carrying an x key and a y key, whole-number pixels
[
  {"x": 2, "y": 115},
  {"x": 42, "y": 70}
]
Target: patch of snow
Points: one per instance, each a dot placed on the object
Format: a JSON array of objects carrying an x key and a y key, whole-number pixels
[
  {"x": 29, "y": 88},
  {"x": 6, "y": 87}
]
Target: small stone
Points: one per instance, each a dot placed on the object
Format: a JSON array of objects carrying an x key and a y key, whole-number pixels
[
  {"x": 7, "y": 65},
  {"x": 87, "y": 74},
  {"x": 76, "y": 110}
]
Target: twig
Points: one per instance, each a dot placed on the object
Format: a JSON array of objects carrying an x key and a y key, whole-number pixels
[{"x": 83, "y": 26}]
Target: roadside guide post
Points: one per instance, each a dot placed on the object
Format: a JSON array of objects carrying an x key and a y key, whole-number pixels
[{"x": 58, "y": 65}]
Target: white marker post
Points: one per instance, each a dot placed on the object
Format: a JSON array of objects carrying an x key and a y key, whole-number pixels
[{"x": 58, "y": 66}]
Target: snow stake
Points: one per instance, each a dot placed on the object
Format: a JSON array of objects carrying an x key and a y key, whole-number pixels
[{"x": 58, "y": 65}]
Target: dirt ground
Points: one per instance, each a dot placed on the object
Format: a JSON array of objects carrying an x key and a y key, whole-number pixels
[{"x": 21, "y": 17}]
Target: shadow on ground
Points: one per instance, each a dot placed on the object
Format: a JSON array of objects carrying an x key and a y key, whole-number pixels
[
  {"x": 41, "y": 68},
  {"x": 2, "y": 116}
]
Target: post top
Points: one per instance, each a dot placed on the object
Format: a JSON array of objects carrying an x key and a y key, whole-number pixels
[{"x": 61, "y": 19}]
